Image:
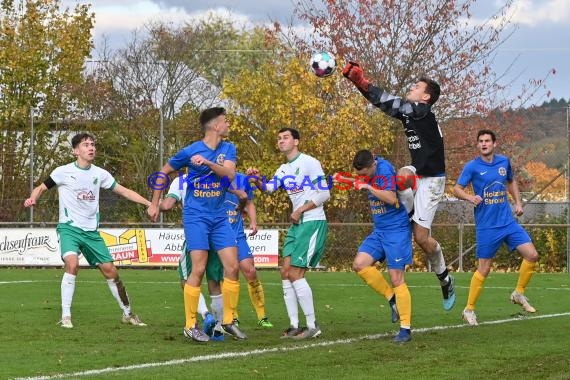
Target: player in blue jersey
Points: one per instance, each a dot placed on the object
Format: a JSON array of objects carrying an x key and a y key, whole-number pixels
[
  {"x": 390, "y": 241},
  {"x": 492, "y": 179},
  {"x": 214, "y": 269},
  {"x": 426, "y": 174},
  {"x": 245, "y": 257},
  {"x": 211, "y": 164}
]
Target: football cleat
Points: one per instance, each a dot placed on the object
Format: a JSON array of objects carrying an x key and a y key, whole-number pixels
[
  {"x": 291, "y": 332},
  {"x": 218, "y": 335},
  {"x": 448, "y": 291},
  {"x": 196, "y": 335},
  {"x": 394, "y": 309},
  {"x": 469, "y": 317},
  {"x": 234, "y": 331},
  {"x": 66, "y": 322},
  {"x": 308, "y": 333},
  {"x": 133, "y": 319},
  {"x": 264, "y": 322},
  {"x": 209, "y": 324},
  {"x": 404, "y": 336},
  {"x": 520, "y": 299},
  {"x": 235, "y": 321}
]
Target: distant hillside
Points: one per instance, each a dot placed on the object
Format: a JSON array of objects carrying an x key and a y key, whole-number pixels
[{"x": 546, "y": 138}]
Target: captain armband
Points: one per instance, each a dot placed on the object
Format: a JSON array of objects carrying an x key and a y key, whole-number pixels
[{"x": 49, "y": 183}]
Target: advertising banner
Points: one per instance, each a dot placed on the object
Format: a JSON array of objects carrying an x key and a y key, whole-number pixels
[{"x": 137, "y": 247}]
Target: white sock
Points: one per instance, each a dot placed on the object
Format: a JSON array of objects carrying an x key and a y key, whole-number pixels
[
  {"x": 67, "y": 290},
  {"x": 407, "y": 199},
  {"x": 437, "y": 261},
  {"x": 202, "y": 308},
  {"x": 217, "y": 307},
  {"x": 115, "y": 292},
  {"x": 290, "y": 297},
  {"x": 305, "y": 297}
]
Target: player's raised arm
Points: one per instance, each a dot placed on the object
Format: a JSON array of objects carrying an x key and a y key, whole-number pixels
[
  {"x": 390, "y": 104},
  {"x": 226, "y": 170}
]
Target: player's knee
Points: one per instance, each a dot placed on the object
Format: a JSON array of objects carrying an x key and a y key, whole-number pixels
[
  {"x": 397, "y": 281},
  {"x": 284, "y": 273},
  {"x": 249, "y": 273},
  {"x": 231, "y": 270},
  {"x": 528, "y": 252},
  {"x": 357, "y": 266},
  {"x": 109, "y": 271},
  {"x": 199, "y": 272},
  {"x": 532, "y": 256},
  {"x": 72, "y": 268},
  {"x": 421, "y": 240}
]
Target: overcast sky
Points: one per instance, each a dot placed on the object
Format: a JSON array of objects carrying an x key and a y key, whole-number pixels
[{"x": 541, "y": 42}]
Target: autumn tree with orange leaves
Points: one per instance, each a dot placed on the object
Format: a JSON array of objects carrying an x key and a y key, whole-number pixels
[{"x": 547, "y": 183}]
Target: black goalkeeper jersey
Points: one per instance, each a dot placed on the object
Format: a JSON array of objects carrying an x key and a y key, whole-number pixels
[{"x": 425, "y": 140}]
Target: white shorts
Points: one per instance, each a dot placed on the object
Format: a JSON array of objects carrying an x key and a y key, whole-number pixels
[{"x": 428, "y": 194}]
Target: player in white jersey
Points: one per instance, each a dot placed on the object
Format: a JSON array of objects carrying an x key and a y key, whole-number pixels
[
  {"x": 304, "y": 180},
  {"x": 78, "y": 185}
]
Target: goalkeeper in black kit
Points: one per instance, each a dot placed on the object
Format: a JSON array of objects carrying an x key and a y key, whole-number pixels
[{"x": 424, "y": 186}]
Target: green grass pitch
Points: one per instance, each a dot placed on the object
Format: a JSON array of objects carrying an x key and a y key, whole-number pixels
[{"x": 355, "y": 344}]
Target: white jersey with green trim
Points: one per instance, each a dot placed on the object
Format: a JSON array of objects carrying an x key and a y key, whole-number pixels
[
  {"x": 78, "y": 191},
  {"x": 177, "y": 190},
  {"x": 302, "y": 178}
]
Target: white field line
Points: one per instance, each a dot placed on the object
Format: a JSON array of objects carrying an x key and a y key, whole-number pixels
[
  {"x": 231, "y": 355},
  {"x": 272, "y": 284}
]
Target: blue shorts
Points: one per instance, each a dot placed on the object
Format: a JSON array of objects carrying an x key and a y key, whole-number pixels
[
  {"x": 393, "y": 246},
  {"x": 244, "y": 252},
  {"x": 489, "y": 240},
  {"x": 205, "y": 232}
]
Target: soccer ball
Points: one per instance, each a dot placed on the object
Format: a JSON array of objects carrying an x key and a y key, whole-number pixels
[{"x": 323, "y": 63}]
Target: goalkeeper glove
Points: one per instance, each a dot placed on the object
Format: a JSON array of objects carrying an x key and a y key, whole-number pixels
[{"x": 354, "y": 73}]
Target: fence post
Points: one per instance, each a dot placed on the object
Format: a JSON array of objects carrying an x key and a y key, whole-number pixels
[
  {"x": 161, "y": 155},
  {"x": 460, "y": 258},
  {"x": 568, "y": 189},
  {"x": 32, "y": 162}
]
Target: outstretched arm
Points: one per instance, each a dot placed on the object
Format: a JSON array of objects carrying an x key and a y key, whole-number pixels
[
  {"x": 390, "y": 104},
  {"x": 131, "y": 195}
]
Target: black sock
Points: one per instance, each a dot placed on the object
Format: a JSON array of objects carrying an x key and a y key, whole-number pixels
[{"x": 443, "y": 277}]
